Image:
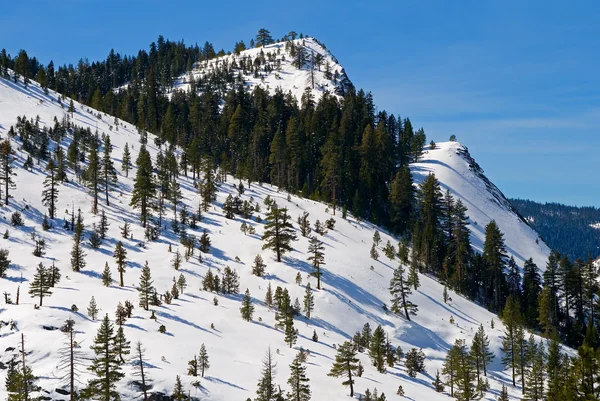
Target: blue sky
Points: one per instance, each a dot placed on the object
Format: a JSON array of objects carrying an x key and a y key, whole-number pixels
[{"x": 518, "y": 82}]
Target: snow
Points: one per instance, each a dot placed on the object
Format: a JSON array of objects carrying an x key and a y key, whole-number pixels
[
  {"x": 355, "y": 287},
  {"x": 457, "y": 171},
  {"x": 288, "y": 77}
]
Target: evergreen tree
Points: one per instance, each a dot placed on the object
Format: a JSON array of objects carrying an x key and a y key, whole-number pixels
[
  {"x": 532, "y": 283},
  {"x": 247, "y": 308},
  {"x": 266, "y": 390},
  {"x": 258, "y": 268},
  {"x": 108, "y": 171},
  {"x": 144, "y": 187},
  {"x": 126, "y": 160},
  {"x": 269, "y": 296},
  {"x": 465, "y": 378},
  {"x": 317, "y": 257},
  {"x": 309, "y": 301},
  {"x": 144, "y": 383},
  {"x": 298, "y": 382},
  {"x": 7, "y": 158},
  {"x": 535, "y": 390},
  {"x": 50, "y": 192},
  {"x": 92, "y": 309},
  {"x": 122, "y": 345},
  {"x": 304, "y": 224},
  {"x": 77, "y": 254},
  {"x": 511, "y": 317},
  {"x": 92, "y": 174},
  {"x": 106, "y": 365},
  {"x": 415, "y": 362},
  {"x": 208, "y": 188},
  {"x": 106, "y": 276},
  {"x": 279, "y": 232},
  {"x": 480, "y": 351},
  {"x": 400, "y": 291},
  {"x": 20, "y": 383},
  {"x": 120, "y": 256},
  {"x": 402, "y": 201},
  {"x": 203, "y": 361},
  {"x": 377, "y": 349},
  {"x": 146, "y": 288},
  {"x": 345, "y": 365},
  {"x": 494, "y": 255},
  {"x": 178, "y": 391},
  {"x": 40, "y": 285}
]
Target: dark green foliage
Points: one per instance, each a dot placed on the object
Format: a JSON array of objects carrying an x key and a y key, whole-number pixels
[
  {"x": 50, "y": 192},
  {"x": 4, "y": 262},
  {"x": 415, "y": 362},
  {"x": 247, "y": 309},
  {"x": 279, "y": 232},
  {"x": 144, "y": 188},
  {"x": 298, "y": 382},
  {"x": 106, "y": 365},
  {"x": 258, "y": 268},
  {"x": 40, "y": 285},
  {"x": 146, "y": 287},
  {"x": 377, "y": 349},
  {"x": 317, "y": 257},
  {"x": 400, "y": 291},
  {"x": 266, "y": 390},
  {"x": 120, "y": 256},
  {"x": 345, "y": 365}
]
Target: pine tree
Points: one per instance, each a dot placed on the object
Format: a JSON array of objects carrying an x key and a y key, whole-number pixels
[
  {"x": 266, "y": 390},
  {"x": 480, "y": 351},
  {"x": 126, "y": 160},
  {"x": 400, "y": 291},
  {"x": 106, "y": 276},
  {"x": 545, "y": 306},
  {"x": 108, "y": 171},
  {"x": 554, "y": 367},
  {"x": 146, "y": 288},
  {"x": 317, "y": 257},
  {"x": 345, "y": 365},
  {"x": 204, "y": 242},
  {"x": 494, "y": 255},
  {"x": 279, "y": 232},
  {"x": 258, "y": 268},
  {"x": 247, "y": 308},
  {"x": 92, "y": 173},
  {"x": 465, "y": 375},
  {"x": 144, "y": 383},
  {"x": 40, "y": 285},
  {"x": 298, "y": 382},
  {"x": 50, "y": 192},
  {"x": 309, "y": 301},
  {"x": 20, "y": 383},
  {"x": 7, "y": 157},
  {"x": 535, "y": 389},
  {"x": 304, "y": 224},
  {"x": 208, "y": 188},
  {"x": 511, "y": 317},
  {"x": 144, "y": 187},
  {"x": 121, "y": 344},
  {"x": 181, "y": 283},
  {"x": 176, "y": 261},
  {"x": 178, "y": 391},
  {"x": 269, "y": 296},
  {"x": 438, "y": 385},
  {"x": 503, "y": 394},
  {"x": 106, "y": 366},
  {"x": 120, "y": 256},
  {"x": 290, "y": 331},
  {"x": 415, "y": 362},
  {"x": 77, "y": 254},
  {"x": 402, "y": 201},
  {"x": 70, "y": 361},
  {"x": 203, "y": 361},
  {"x": 92, "y": 309},
  {"x": 377, "y": 349}
]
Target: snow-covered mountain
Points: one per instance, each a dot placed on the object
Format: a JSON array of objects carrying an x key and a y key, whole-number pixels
[
  {"x": 275, "y": 66},
  {"x": 458, "y": 172},
  {"x": 355, "y": 287}
]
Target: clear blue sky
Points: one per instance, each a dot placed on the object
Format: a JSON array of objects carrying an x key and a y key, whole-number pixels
[{"x": 518, "y": 82}]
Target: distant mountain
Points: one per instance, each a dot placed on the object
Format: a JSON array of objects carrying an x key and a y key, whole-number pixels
[{"x": 572, "y": 230}]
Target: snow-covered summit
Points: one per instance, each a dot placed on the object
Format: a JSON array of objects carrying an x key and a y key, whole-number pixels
[
  {"x": 458, "y": 172},
  {"x": 276, "y": 66}
]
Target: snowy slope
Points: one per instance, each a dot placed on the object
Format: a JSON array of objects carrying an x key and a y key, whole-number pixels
[
  {"x": 353, "y": 292},
  {"x": 457, "y": 171},
  {"x": 281, "y": 74}
]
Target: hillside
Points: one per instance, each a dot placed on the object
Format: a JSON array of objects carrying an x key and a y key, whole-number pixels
[
  {"x": 457, "y": 171},
  {"x": 274, "y": 67},
  {"x": 355, "y": 287},
  {"x": 570, "y": 230}
]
